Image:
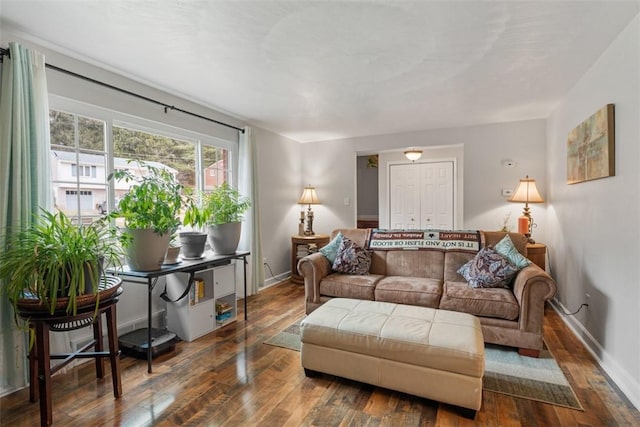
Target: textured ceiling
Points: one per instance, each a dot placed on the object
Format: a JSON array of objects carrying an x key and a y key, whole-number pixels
[{"x": 324, "y": 70}]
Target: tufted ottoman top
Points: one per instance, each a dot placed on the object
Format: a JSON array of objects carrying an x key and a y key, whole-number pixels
[{"x": 438, "y": 339}]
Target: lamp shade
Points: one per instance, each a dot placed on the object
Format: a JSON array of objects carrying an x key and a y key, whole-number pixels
[
  {"x": 413, "y": 154},
  {"x": 309, "y": 196},
  {"x": 527, "y": 192}
]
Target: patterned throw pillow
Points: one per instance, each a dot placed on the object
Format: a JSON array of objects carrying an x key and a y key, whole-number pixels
[
  {"x": 506, "y": 248},
  {"x": 330, "y": 250},
  {"x": 488, "y": 269},
  {"x": 351, "y": 258}
]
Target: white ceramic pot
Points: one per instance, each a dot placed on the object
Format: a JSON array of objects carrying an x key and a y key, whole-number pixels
[
  {"x": 224, "y": 238},
  {"x": 147, "y": 250}
]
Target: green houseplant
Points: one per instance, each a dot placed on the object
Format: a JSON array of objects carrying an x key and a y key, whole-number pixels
[
  {"x": 225, "y": 208},
  {"x": 195, "y": 215},
  {"x": 56, "y": 258},
  {"x": 150, "y": 210}
]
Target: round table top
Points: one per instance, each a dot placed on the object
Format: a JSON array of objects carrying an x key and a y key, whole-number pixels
[{"x": 110, "y": 287}]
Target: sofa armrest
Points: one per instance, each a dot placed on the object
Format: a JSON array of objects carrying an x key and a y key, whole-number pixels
[
  {"x": 313, "y": 268},
  {"x": 532, "y": 286}
]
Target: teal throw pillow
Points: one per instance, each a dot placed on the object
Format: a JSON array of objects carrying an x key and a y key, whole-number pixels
[
  {"x": 506, "y": 248},
  {"x": 330, "y": 250}
]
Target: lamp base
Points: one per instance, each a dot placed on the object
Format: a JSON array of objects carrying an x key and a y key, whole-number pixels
[
  {"x": 309, "y": 230},
  {"x": 529, "y": 224}
]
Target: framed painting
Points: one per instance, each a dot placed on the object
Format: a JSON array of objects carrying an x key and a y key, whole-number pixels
[{"x": 591, "y": 147}]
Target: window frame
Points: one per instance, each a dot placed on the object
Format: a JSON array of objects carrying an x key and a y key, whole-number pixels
[{"x": 113, "y": 118}]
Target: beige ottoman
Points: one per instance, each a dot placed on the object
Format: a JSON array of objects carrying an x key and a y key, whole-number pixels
[{"x": 436, "y": 354}]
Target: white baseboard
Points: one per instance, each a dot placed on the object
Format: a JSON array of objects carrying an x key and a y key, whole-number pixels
[
  {"x": 621, "y": 377},
  {"x": 276, "y": 280}
]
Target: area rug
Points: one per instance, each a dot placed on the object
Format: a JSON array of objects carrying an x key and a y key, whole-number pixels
[{"x": 506, "y": 372}]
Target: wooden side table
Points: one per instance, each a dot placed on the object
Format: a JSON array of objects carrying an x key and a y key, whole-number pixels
[
  {"x": 302, "y": 246},
  {"x": 537, "y": 253},
  {"x": 40, "y": 356}
]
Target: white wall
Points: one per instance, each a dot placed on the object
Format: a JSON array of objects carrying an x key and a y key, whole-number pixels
[
  {"x": 330, "y": 165},
  {"x": 280, "y": 187},
  {"x": 593, "y": 232}
]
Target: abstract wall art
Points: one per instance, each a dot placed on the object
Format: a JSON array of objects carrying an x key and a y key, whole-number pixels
[{"x": 591, "y": 147}]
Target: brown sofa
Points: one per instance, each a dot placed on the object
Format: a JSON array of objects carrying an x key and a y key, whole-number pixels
[{"x": 511, "y": 317}]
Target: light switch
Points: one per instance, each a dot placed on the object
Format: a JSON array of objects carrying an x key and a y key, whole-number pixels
[{"x": 347, "y": 202}]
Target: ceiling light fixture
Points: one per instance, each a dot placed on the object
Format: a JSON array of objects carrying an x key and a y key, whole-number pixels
[{"x": 413, "y": 154}]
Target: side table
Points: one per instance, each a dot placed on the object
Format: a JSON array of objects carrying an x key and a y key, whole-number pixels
[
  {"x": 537, "y": 253},
  {"x": 41, "y": 322},
  {"x": 302, "y": 246}
]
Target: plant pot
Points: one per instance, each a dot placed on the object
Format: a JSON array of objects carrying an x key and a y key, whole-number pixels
[
  {"x": 224, "y": 238},
  {"x": 147, "y": 249},
  {"x": 173, "y": 252},
  {"x": 90, "y": 282},
  {"x": 193, "y": 243}
]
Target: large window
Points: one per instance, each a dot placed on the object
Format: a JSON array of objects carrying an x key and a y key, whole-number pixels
[
  {"x": 88, "y": 143},
  {"x": 78, "y": 164}
]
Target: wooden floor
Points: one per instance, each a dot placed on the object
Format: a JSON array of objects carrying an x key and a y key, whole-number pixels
[{"x": 231, "y": 378}]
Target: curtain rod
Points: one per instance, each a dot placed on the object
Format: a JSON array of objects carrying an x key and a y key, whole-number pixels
[{"x": 127, "y": 92}]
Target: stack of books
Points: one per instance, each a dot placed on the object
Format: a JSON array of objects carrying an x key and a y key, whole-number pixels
[
  {"x": 197, "y": 291},
  {"x": 224, "y": 311},
  {"x": 304, "y": 250}
]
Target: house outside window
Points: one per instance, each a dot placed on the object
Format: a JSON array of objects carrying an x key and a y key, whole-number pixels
[{"x": 86, "y": 171}]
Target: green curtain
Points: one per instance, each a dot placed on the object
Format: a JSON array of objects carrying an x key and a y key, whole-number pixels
[
  {"x": 251, "y": 237},
  {"x": 24, "y": 179}
]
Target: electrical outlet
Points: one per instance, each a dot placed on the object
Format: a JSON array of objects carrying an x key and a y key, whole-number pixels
[
  {"x": 587, "y": 296},
  {"x": 264, "y": 260},
  {"x": 507, "y": 192}
]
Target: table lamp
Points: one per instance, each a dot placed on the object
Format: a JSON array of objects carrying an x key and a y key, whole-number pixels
[
  {"x": 309, "y": 197},
  {"x": 526, "y": 193}
]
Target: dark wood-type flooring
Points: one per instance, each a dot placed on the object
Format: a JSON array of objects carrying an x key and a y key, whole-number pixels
[{"x": 230, "y": 377}]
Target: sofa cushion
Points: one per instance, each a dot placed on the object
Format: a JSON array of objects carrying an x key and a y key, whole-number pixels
[
  {"x": 351, "y": 258},
  {"x": 485, "y": 302},
  {"x": 488, "y": 269},
  {"x": 330, "y": 250},
  {"x": 349, "y": 286},
  {"x": 452, "y": 263},
  {"x": 491, "y": 238},
  {"x": 506, "y": 248},
  {"x": 425, "y": 263},
  {"x": 409, "y": 290}
]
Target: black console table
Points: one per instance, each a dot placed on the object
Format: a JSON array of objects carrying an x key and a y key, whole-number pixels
[{"x": 150, "y": 278}]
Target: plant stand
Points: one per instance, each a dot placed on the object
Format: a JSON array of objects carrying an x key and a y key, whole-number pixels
[{"x": 42, "y": 322}]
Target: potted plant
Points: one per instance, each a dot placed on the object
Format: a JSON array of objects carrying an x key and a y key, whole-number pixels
[
  {"x": 150, "y": 210},
  {"x": 56, "y": 258},
  {"x": 225, "y": 207},
  {"x": 195, "y": 215}
]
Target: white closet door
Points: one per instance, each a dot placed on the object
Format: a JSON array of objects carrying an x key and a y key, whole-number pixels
[
  {"x": 436, "y": 184},
  {"x": 404, "y": 200},
  {"x": 421, "y": 196}
]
